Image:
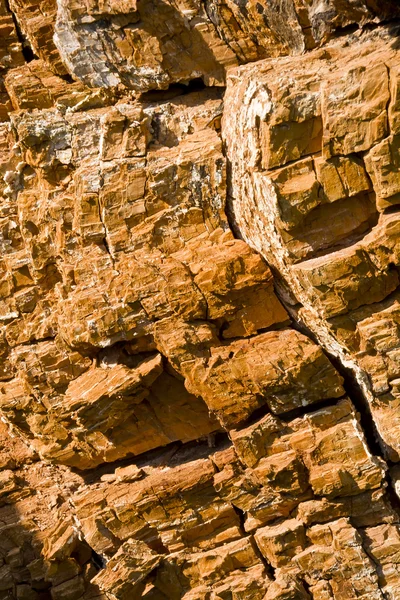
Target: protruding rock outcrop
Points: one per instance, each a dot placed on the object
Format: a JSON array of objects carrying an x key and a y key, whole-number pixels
[{"x": 320, "y": 199}]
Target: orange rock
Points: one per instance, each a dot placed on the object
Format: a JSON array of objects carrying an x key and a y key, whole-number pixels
[
  {"x": 199, "y": 306},
  {"x": 316, "y": 218}
]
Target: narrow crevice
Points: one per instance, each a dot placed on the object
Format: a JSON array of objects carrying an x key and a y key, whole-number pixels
[
  {"x": 356, "y": 395},
  {"x": 27, "y": 50},
  {"x": 221, "y": 328},
  {"x": 94, "y": 475},
  {"x": 352, "y": 389},
  {"x": 242, "y": 519},
  {"x": 302, "y": 411},
  {"x": 28, "y": 53},
  {"x": 66, "y": 77},
  {"x": 355, "y": 29},
  {"x": 107, "y": 248},
  {"x": 105, "y": 242},
  {"x": 307, "y": 587},
  {"x": 345, "y": 31},
  {"x": 172, "y": 455},
  {"x": 271, "y": 571},
  {"x": 230, "y": 215},
  {"x": 257, "y": 414},
  {"x": 391, "y": 210},
  {"x": 393, "y": 498},
  {"x": 98, "y": 561},
  {"x": 374, "y": 561},
  {"x": 286, "y": 417},
  {"x": 174, "y": 90}
]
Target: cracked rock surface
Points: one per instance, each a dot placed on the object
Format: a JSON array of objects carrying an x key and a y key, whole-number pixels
[{"x": 199, "y": 300}]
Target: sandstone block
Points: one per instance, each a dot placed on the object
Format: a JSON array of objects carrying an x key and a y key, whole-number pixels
[
  {"x": 280, "y": 543},
  {"x": 126, "y": 569}
]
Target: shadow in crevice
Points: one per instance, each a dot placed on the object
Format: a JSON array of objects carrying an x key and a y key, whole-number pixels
[
  {"x": 353, "y": 391},
  {"x": 161, "y": 46},
  {"x": 173, "y": 455},
  {"x": 27, "y": 50},
  {"x": 27, "y": 516},
  {"x": 173, "y": 91}
]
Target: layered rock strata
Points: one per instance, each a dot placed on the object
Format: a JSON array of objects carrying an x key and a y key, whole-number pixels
[
  {"x": 320, "y": 201},
  {"x": 199, "y": 300}
]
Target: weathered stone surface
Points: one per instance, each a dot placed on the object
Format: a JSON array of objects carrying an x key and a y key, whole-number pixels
[
  {"x": 319, "y": 443},
  {"x": 36, "y": 19},
  {"x": 199, "y": 322},
  {"x": 316, "y": 218},
  {"x": 336, "y": 562},
  {"x": 148, "y": 248},
  {"x": 143, "y": 45},
  {"x": 10, "y": 57},
  {"x": 282, "y": 369},
  {"x": 188, "y": 504},
  {"x": 129, "y": 566}
]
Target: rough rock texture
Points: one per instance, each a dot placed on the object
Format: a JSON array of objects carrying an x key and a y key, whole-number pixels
[
  {"x": 199, "y": 300},
  {"x": 320, "y": 202}
]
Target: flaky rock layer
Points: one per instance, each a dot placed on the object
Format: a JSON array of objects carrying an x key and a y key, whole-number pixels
[{"x": 199, "y": 300}]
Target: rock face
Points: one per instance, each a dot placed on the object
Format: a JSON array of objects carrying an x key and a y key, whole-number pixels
[
  {"x": 199, "y": 300},
  {"x": 320, "y": 202}
]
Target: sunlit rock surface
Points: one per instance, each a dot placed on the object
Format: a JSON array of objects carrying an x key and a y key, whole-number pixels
[{"x": 199, "y": 300}]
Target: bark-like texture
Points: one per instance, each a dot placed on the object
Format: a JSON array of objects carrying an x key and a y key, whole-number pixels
[{"x": 199, "y": 300}]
